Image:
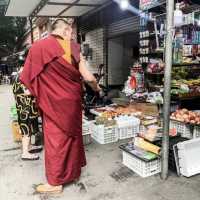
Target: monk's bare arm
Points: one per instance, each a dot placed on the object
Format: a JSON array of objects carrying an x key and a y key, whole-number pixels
[{"x": 87, "y": 75}]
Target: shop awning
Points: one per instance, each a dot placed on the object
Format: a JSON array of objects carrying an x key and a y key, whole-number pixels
[{"x": 52, "y": 8}]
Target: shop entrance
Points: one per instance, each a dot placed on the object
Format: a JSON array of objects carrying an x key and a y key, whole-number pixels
[{"x": 123, "y": 51}]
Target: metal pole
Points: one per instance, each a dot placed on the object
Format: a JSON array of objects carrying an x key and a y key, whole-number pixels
[
  {"x": 106, "y": 57},
  {"x": 167, "y": 88},
  {"x": 31, "y": 26}
]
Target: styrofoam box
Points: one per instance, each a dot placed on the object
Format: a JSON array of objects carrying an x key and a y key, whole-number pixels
[
  {"x": 142, "y": 168},
  {"x": 189, "y": 159},
  {"x": 104, "y": 135}
]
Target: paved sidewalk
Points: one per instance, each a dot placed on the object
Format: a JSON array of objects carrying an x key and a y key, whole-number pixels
[{"x": 104, "y": 178}]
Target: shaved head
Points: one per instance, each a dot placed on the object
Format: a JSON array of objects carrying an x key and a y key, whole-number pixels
[
  {"x": 59, "y": 23},
  {"x": 62, "y": 28}
]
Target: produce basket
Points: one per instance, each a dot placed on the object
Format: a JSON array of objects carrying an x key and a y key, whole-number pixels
[
  {"x": 128, "y": 127},
  {"x": 142, "y": 128},
  {"x": 85, "y": 127},
  {"x": 103, "y": 134},
  {"x": 86, "y": 131},
  {"x": 128, "y": 132},
  {"x": 196, "y": 132},
  {"x": 186, "y": 130},
  {"x": 87, "y": 139},
  {"x": 141, "y": 166},
  {"x": 182, "y": 128}
]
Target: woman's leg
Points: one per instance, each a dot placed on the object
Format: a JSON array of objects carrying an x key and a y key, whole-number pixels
[
  {"x": 26, "y": 139},
  {"x": 25, "y": 145},
  {"x": 25, "y": 126},
  {"x": 35, "y": 147}
]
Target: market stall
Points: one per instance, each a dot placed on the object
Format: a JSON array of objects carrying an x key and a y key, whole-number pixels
[
  {"x": 136, "y": 118},
  {"x": 146, "y": 84}
]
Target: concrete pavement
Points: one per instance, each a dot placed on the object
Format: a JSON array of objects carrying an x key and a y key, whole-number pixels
[{"x": 104, "y": 178}]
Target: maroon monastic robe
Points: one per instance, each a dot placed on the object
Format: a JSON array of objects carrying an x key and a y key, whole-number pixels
[{"x": 56, "y": 84}]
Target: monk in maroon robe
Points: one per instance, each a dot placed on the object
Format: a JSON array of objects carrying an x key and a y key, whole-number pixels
[{"x": 53, "y": 73}]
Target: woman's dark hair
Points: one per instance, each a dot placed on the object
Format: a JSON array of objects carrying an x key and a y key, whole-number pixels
[
  {"x": 22, "y": 58},
  {"x": 26, "y": 52}
]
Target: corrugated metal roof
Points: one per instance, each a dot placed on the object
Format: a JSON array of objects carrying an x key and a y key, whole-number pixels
[{"x": 54, "y": 8}]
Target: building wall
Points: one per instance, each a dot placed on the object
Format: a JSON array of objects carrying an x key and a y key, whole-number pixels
[
  {"x": 115, "y": 61},
  {"x": 42, "y": 29},
  {"x": 27, "y": 40},
  {"x": 121, "y": 56},
  {"x": 95, "y": 39}
]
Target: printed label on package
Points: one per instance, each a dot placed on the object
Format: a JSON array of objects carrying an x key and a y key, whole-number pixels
[{"x": 147, "y": 4}]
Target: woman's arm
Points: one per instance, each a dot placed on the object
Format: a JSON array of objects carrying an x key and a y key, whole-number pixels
[{"x": 88, "y": 76}]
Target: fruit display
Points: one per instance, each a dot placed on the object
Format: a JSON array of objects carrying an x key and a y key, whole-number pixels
[
  {"x": 121, "y": 111},
  {"x": 134, "y": 109},
  {"x": 180, "y": 73},
  {"x": 191, "y": 82},
  {"x": 156, "y": 67},
  {"x": 101, "y": 120},
  {"x": 186, "y": 116},
  {"x": 186, "y": 88}
]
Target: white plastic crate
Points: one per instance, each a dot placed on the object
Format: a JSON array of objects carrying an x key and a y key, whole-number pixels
[
  {"x": 182, "y": 128},
  {"x": 196, "y": 133},
  {"x": 128, "y": 132},
  {"x": 143, "y": 129},
  {"x": 142, "y": 168},
  {"x": 128, "y": 127},
  {"x": 86, "y": 127},
  {"x": 86, "y": 131},
  {"x": 104, "y": 135},
  {"x": 188, "y": 157},
  {"x": 87, "y": 139}
]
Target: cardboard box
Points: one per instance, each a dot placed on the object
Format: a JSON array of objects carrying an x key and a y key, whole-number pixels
[{"x": 146, "y": 108}]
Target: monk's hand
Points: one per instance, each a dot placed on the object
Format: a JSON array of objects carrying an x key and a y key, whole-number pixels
[{"x": 101, "y": 93}]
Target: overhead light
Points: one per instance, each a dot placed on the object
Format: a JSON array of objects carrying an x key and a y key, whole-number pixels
[{"x": 124, "y": 4}]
